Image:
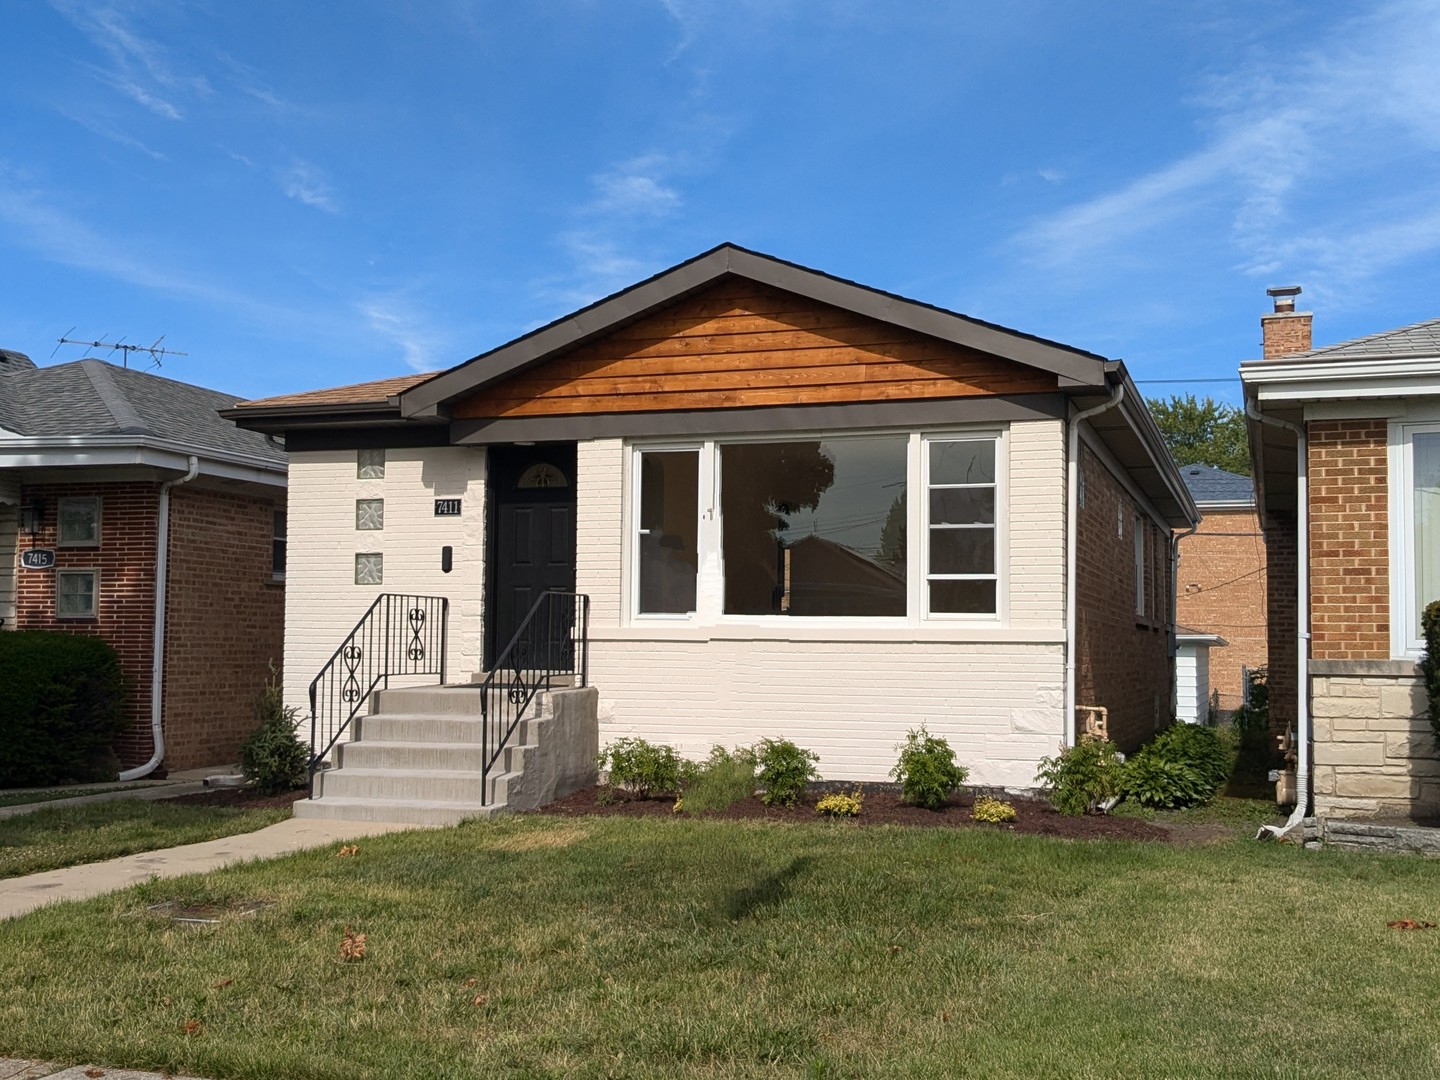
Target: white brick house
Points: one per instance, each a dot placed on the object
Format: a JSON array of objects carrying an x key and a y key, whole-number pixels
[{"x": 798, "y": 506}]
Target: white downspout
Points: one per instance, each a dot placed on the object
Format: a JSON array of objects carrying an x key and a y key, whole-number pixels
[
  {"x": 1302, "y": 623},
  {"x": 157, "y": 660},
  {"x": 1071, "y": 532},
  {"x": 1175, "y": 539}
]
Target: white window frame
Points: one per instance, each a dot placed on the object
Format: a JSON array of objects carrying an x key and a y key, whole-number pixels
[
  {"x": 710, "y": 574},
  {"x": 1405, "y": 640},
  {"x": 60, "y": 503},
  {"x": 94, "y": 576}
]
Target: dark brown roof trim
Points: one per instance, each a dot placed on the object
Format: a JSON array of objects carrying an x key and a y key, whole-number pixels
[
  {"x": 840, "y": 419},
  {"x": 1074, "y": 367}
]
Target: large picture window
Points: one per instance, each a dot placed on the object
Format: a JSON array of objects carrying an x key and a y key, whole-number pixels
[
  {"x": 1415, "y": 532},
  {"x": 818, "y": 527}
]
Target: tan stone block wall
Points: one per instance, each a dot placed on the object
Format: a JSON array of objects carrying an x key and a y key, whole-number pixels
[{"x": 1375, "y": 754}]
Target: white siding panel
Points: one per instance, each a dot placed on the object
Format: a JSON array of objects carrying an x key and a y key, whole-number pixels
[
  {"x": 9, "y": 525},
  {"x": 322, "y": 601}
]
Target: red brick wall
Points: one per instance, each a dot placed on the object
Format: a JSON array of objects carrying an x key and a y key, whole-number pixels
[
  {"x": 126, "y": 592},
  {"x": 1349, "y": 540},
  {"x": 224, "y": 623},
  {"x": 1222, "y": 591},
  {"x": 1281, "y": 585},
  {"x": 1122, "y": 659},
  {"x": 1285, "y": 333}
]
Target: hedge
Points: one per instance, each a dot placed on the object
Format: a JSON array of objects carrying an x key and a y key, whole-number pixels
[{"x": 62, "y": 702}]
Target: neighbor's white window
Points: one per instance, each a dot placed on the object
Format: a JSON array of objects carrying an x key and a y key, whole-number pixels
[
  {"x": 817, "y": 527},
  {"x": 79, "y": 522},
  {"x": 1414, "y": 531},
  {"x": 76, "y": 594}
]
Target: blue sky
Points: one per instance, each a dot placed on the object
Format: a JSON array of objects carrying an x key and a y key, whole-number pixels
[{"x": 302, "y": 195}]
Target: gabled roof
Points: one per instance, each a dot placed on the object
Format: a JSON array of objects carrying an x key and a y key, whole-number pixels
[
  {"x": 376, "y": 392},
  {"x": 1210, "y": 485},
  {"x": 1419, "y": 339},
  {"x": 95, "y": 400},
  {"x": 1074, "y": 367}
]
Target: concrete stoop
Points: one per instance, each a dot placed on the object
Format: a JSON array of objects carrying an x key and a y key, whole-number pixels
[{"x": 416, "y": 758}]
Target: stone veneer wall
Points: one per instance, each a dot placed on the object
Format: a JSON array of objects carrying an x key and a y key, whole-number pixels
[{"x": 1375, "y": 754}]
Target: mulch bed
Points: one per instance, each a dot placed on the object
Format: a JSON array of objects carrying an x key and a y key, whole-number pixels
[
  {"x": 240, "y": 798},
  {"x": 881, "y": 808}
]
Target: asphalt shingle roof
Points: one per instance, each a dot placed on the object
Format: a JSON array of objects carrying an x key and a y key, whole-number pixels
[
  {"x": 1209, "y": 484},
  {"x": 1421, "y": 339},
  {"x": 91, "y": 397}
]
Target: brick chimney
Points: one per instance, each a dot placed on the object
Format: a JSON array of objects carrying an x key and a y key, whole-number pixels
[{"x": 1286, "y": 330}]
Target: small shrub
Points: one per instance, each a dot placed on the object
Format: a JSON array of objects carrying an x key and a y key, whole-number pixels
[
  {"x": 840, "y": 805},
  {"x": 62, "y": 702},
  {"x": 721, "y": 780},
  {"x": 1184, "y": 765},
  {"x": 785, "y": 769},
  {"x": 273, "y": 758},
  {"x": 1252, "y": 720},
  {"x": 927, "y": 772},
  {"x": 644, "y": 769},
  {"x": 1430, "y": 662},
  {"x": 994, "y": 811},
  {"x": 1082, "y": 777}
]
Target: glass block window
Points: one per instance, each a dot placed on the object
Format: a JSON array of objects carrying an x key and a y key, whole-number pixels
[
  {"x": 75, "y": 594},
  {"x": 370, "y": 465},
  {"x": 369, "y": 568},
  {"x": 369, "y": 513},
  {"x": 79, "y": 522}
]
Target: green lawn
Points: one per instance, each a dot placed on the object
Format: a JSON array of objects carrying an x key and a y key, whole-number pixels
[
  {"x": 544, "y": 947},
  {"x": 69, "y": 835}
]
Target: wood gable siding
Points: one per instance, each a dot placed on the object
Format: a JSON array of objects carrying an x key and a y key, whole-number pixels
[{"x": 740, "y": 344}]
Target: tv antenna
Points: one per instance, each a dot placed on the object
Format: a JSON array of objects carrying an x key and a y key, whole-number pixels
[{"x": 154, "y": 351}]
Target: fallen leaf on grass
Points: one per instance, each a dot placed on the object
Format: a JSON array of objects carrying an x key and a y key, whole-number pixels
[
  {"x": 93, "y": 1073},
  {"x": 469, "y": 983},
  {"x": 1410, "y": 924},
  {"x": 479, "y": 999},
  {"x": 223, "y": 983},
  {"x": 352, "y": 946},
  {"x": 348, "y": 849},
  {"x": 192, "y": 1027}
]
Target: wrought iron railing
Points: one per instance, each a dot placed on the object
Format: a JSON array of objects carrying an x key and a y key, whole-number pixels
[
  {"x": 401, "y": 634},
  {"x": 552, "y": 646}
]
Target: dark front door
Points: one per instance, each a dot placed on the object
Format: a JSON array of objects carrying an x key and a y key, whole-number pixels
[{"x": 532, "y": 534}]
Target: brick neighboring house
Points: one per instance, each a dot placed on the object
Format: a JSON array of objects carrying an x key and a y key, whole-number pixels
[
  {"x": 1346, "y": 445},
  {"x": 97, "y": 464},
  {"x": 693, "y": 454},
  {"x": 1221, "y": 589}
]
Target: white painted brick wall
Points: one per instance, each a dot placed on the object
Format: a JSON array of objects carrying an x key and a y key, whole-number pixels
[
  {"x": 322, "y": 601},
  {"x": 1000, "y": 703}
]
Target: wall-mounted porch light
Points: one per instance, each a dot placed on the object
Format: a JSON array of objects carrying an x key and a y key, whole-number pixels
[{"x": 32, "y": 517}]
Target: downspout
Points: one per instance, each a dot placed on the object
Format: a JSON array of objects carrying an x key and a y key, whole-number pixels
[
  {"x": 1175, "y": 539},
  {"x": 157, "y": 659},
  {"x": 1302, "y": 623},
  {"x": 1072, "y": 528}
]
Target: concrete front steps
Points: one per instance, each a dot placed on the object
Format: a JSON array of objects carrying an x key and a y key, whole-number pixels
[{"x": 417, "y": 758}]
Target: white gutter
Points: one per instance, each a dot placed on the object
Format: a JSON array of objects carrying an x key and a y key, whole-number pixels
[
  {"x": 157, "y": 660},
  {"x": 1174, "y": 643},
  {"x": 1302, "y": 622},
  {"x": 1072, "y": 528}
]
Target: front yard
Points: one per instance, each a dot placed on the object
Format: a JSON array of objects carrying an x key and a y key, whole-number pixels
[{"x": 543, "y": 946}]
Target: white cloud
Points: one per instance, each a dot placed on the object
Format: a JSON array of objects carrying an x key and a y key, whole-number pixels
[
  {"x": 134, "y": 65},
  {"x": 305, "y": 183},
  {"x": 1301, "y": 156},
  {"x": 396, "y": 319}
]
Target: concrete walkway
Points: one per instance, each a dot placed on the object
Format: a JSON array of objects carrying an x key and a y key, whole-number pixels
[
  {"x": 22, "y": 894},
  {"x": 20, "y": 1069}
]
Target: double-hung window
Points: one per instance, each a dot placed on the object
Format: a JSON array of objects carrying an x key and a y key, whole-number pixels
[
  {"x": 1414, "y": 531},
  {"x": 817, "y": 527}
]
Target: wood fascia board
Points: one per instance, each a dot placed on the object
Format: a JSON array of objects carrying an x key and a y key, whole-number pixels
[{"x": 1074, "y": 368}]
